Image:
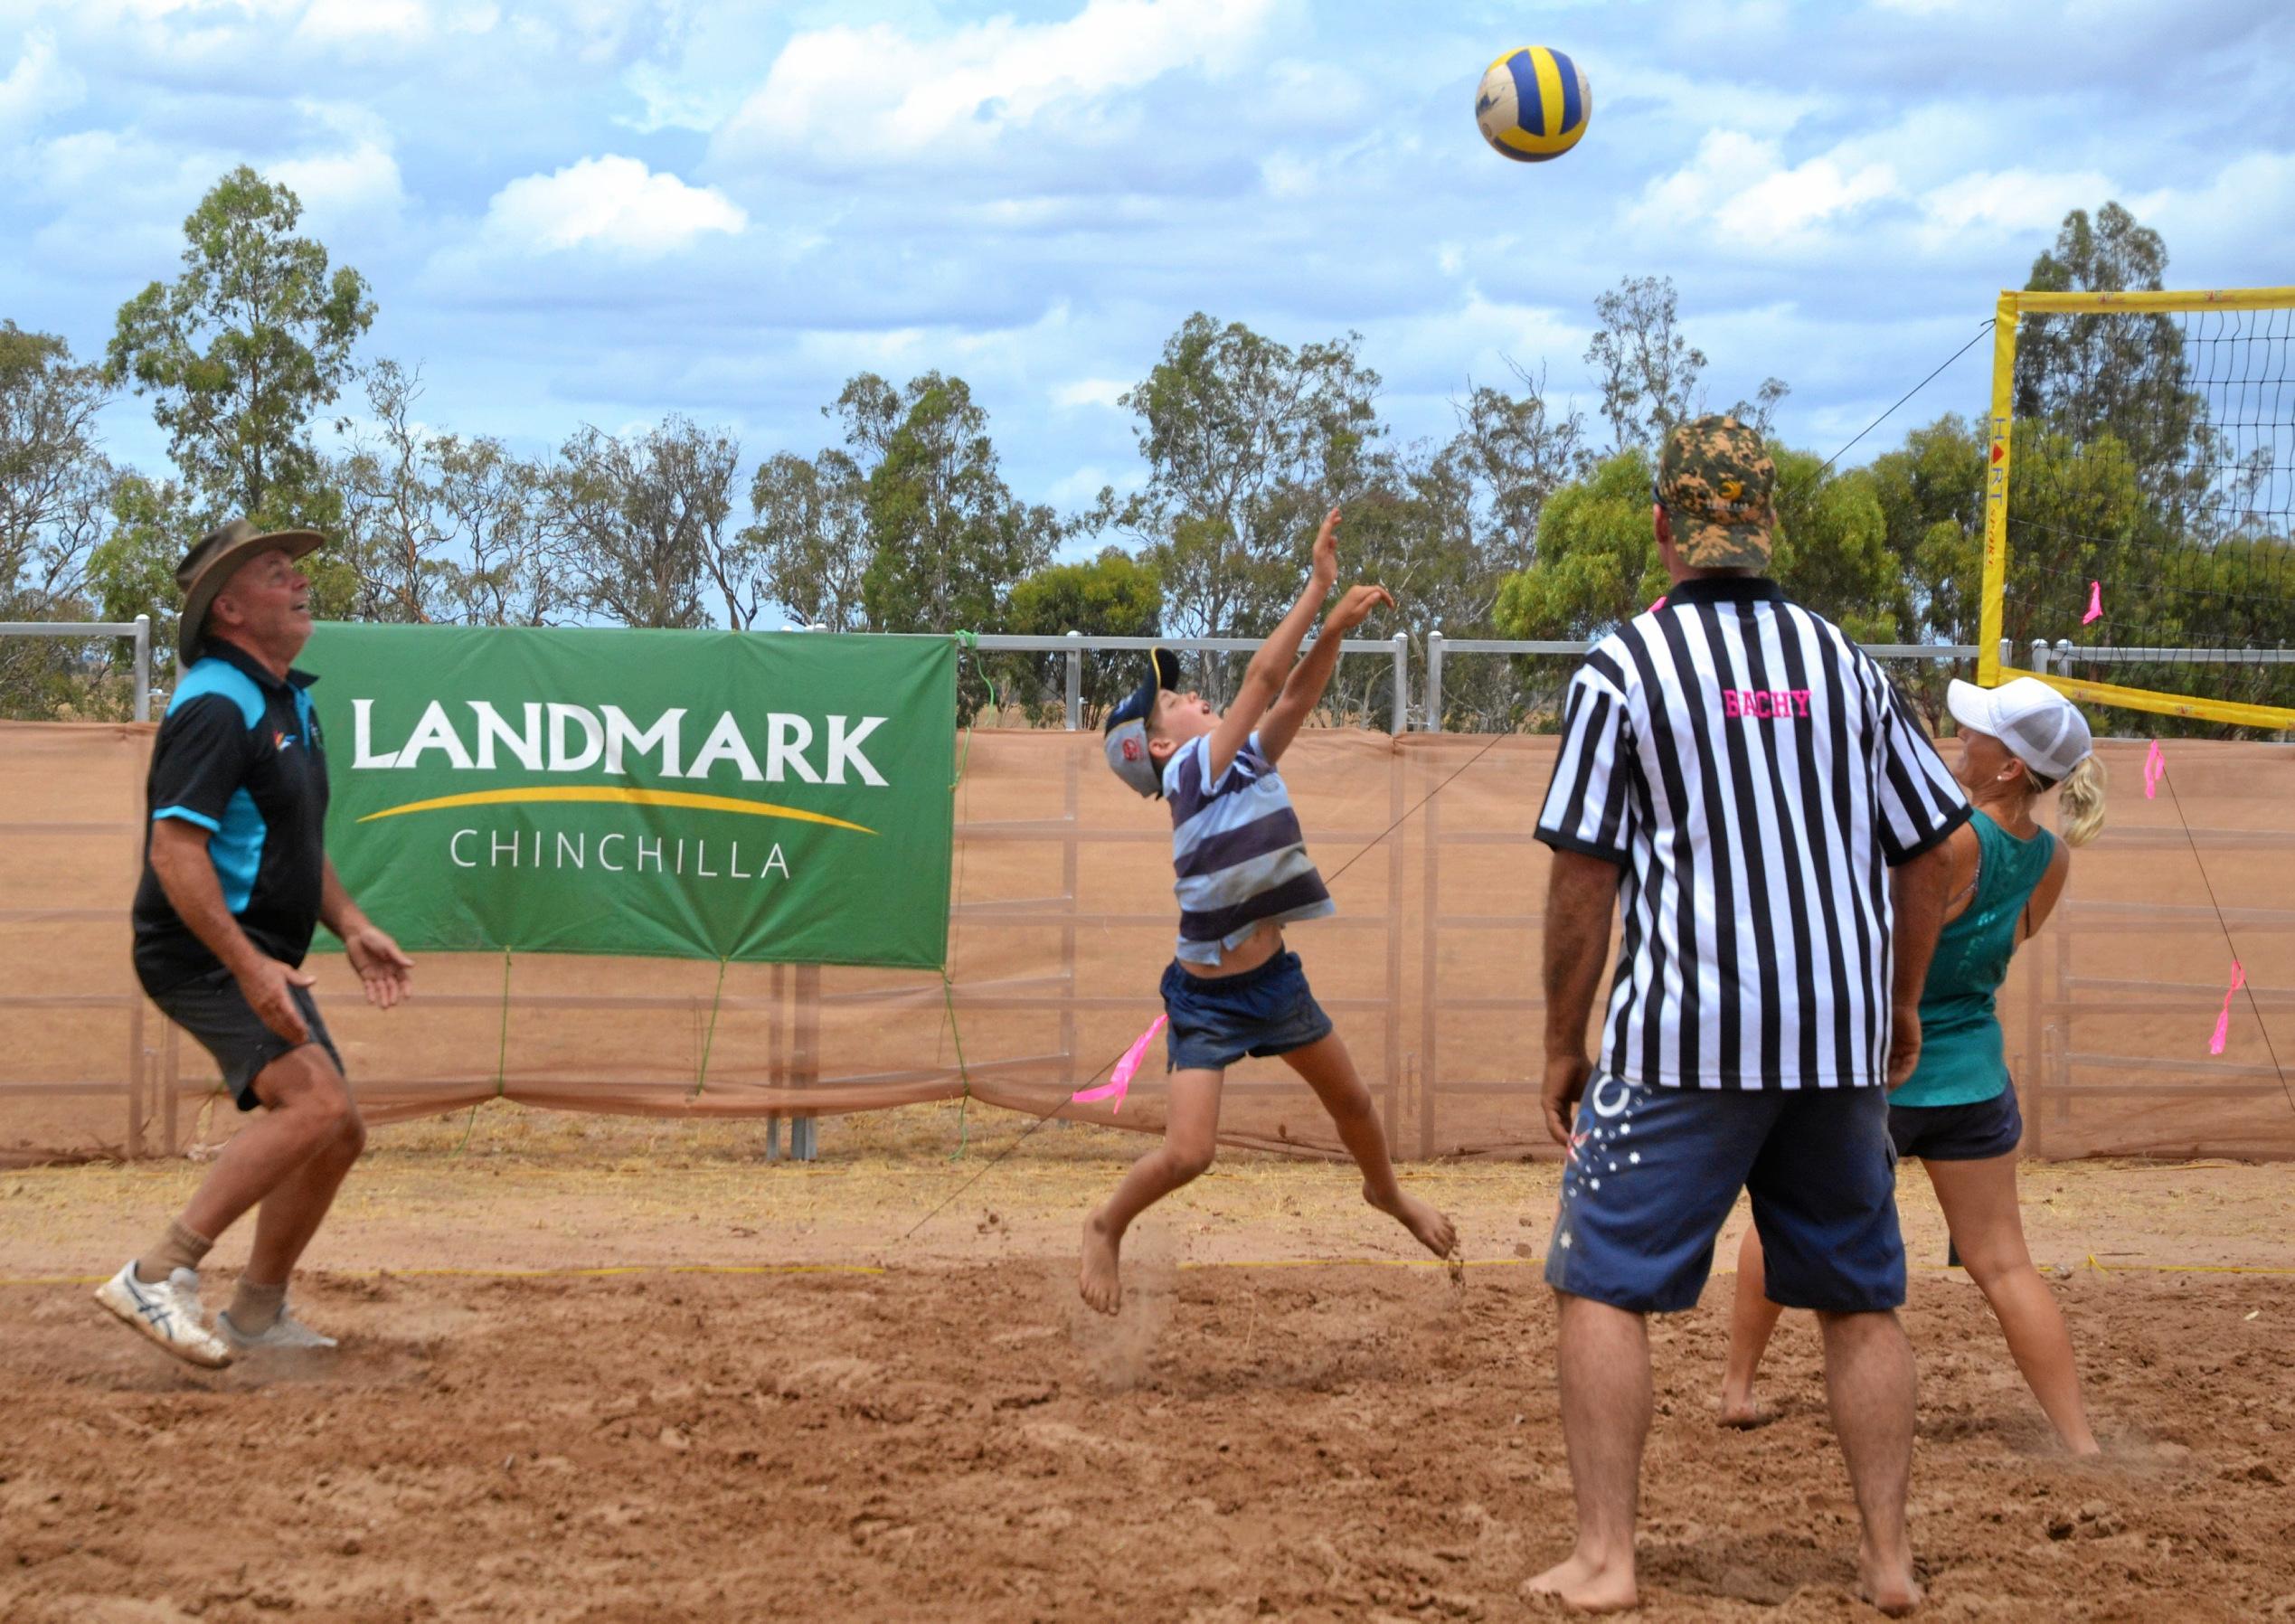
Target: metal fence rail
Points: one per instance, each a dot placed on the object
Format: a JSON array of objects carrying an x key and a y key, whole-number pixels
[
  {"x": 1425, "y": 716},
  {"x": 139, "y": 629}
]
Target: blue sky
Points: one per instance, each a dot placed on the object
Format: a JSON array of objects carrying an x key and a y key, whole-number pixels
[{"x": 605, "y": 211}]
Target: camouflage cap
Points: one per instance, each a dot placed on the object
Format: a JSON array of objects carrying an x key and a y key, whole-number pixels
[{"x": 1716, "y": 481}]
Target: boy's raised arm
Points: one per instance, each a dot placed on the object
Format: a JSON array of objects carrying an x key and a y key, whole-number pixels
[
  {"x": 1312, "y": 675},
  {"x": 1263, "y": 678}
]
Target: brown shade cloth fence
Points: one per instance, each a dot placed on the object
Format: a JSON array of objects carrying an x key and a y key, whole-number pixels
[{"x": 1062, "y": 925}]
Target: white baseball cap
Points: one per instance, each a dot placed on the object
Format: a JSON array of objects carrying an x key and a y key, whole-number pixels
[{"x": 2041, "y": 728}]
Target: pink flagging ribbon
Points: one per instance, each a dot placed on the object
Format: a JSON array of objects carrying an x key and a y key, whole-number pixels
[
  {"x": 1656, "y": 606},
  {"x": 1120, "y": 1081},
  {"x": 2095, "y": 602},
  {"x": 2223, "y": 1020},
  {"x": 2155, "y": 770}
]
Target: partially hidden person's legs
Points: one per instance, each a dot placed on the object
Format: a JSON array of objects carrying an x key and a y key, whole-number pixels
[
  {"x": 1751, "y": 1319},
  {"x": 1869, "y": 1385},
  {"x": 1979, "y": 1202},
  {"x": 1602, "y": 1362},
  {"x": 1190, "y": 1140},
  {"x": 1329, "y": 1070}
]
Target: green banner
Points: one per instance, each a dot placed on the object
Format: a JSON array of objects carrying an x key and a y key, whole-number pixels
[{"x": 681, "y": 794}]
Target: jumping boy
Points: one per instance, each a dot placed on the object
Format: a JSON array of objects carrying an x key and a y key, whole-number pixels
[{"x": 1243, "y": 871}]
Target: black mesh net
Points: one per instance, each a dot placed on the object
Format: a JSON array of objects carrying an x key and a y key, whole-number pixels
[{"x": 2151, "y": 503}]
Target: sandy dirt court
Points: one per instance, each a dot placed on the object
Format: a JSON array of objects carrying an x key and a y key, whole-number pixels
[{"x": 782, "y": 1408}]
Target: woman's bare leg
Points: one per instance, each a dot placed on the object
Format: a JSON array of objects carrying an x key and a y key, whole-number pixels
[
  {"x": 1751, "y": 1319},
  {"x": 1979, "y": 1202}
]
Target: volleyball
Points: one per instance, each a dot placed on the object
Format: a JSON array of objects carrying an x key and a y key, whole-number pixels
[{"x": 1534, "y": 104}]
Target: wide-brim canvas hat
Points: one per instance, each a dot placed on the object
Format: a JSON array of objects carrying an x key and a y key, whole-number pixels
[
  {"x": 213, "y": 560},
  {"x": 1127, "y": 731},
  {"x": 2039, "y": 726}
]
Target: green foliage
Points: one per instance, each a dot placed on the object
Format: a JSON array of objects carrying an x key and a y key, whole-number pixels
[
  {"x": 1112, "y": 596},
  {"x": 437, "y": 527},
  {"x": 1597, "y": 563},
  {"x": 1832, "y": 552},
  {"x": 948, "y": 537},
  {"x": 241, "y": 349},
  {"x": 643, "y": 519},
  {"x": 1247, "y": 442},
  {"x": 810, "y": 536}
]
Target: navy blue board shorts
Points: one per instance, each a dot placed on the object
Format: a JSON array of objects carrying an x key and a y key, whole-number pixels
[
  {"x": 212, "y": 1009},
  {"x": 1653, "y": 1172},
  {"x": 1217, "y": 1020},
  {"x": 1958, "y": 1133}
]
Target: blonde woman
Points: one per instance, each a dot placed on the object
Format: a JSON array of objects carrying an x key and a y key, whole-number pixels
[{"x": 1958, "y": 1110}]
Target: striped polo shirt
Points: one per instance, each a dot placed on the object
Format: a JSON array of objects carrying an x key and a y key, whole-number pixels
[
  {"x": 1754, "y": 777},
  {"x": 1238, "y": 850}
]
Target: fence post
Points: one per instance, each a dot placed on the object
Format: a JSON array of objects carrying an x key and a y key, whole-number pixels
[
  {"x": 143, "y": 667},
  {"x": 2008, "y": 651},
  {"x": 1433, "y": 721},
  {"x": 1401, "y": 682},
  {"x": 1076, "y": 685},
  {"x": 2040, "y": 656}
]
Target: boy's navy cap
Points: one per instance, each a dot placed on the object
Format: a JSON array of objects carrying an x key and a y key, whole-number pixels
[{"x": 1127, "y": 731}]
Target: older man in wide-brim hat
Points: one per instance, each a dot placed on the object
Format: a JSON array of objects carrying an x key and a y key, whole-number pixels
[{"x": 235, "y": 883}]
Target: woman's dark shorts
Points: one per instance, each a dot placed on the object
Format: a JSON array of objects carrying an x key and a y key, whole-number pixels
[
  {"x": 212, "y": 1009},
  {"x": 1216, "y": 1020},
  {"x": 1958, "y": 1133}
]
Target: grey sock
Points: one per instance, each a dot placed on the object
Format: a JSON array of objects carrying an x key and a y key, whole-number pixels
[
  {"x": 255, "y": 1308},
  {"x": 179, "y": 1248}
]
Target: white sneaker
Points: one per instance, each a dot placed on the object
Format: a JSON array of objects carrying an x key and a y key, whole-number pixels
[
  {"x": 286, "y": 1331},
  {"x": 167, "y": 1312}
]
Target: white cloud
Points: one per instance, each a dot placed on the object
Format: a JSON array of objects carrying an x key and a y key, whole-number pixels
[
  {"x": 1739, "y": 183},
  {"x": 2006, "y": 203},
  {"x": 365, "y": 22},
  {"x": 38, "y": 85},
  {"x": 354, "y": 187},
  {"x": 1088, "y": 392},
  {"x": 613, "y": 202},
  {"x": 848, "y": 94}
]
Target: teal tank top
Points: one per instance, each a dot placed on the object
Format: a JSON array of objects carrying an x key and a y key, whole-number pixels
[{"x": 1962, "y": 1060}]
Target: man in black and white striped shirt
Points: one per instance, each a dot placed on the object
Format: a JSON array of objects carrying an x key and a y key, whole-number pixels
[{"x": 1741, "y": 780}]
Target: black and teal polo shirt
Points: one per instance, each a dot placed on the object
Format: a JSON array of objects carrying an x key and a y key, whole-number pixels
[{"x": 240, "y": 755}]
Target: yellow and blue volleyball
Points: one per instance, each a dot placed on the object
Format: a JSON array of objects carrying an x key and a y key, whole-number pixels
[{"x": 1534, "y": 104}]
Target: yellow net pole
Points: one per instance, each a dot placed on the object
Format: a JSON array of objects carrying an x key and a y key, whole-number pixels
[{"x": 1995, "y": 493}]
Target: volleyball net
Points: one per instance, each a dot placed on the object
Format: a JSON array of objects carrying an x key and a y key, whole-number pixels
[{"x": 2140, "y": 503}]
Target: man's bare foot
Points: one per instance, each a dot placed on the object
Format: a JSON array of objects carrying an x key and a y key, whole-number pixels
[
  {"x": 1099, "y": 1280},
  {"x": 1432, "y": 1230},
  {"x": 1738, "y": 1410},
  {"x": 1585, "y": 1585},
  {"x": 1890, "y": 1586}
]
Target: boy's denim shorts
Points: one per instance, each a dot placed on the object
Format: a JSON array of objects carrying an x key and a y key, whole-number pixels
[
  {"x": 1653, "y": 1174},
  {"x": 1216, "y": 1020}
]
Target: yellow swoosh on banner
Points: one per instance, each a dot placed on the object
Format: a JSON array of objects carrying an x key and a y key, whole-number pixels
[{"x": 626, "y": 796}]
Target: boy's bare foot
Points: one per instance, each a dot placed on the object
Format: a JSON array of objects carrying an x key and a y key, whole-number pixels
[
  {"x": 1099, "y": 1280},
  {"x": 1738, "y": 1410},
  {"x": 1426, "y": 1223},
  {"x": 1889, "y": 1587},
  {"x": 1587, "y": 1587}
]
